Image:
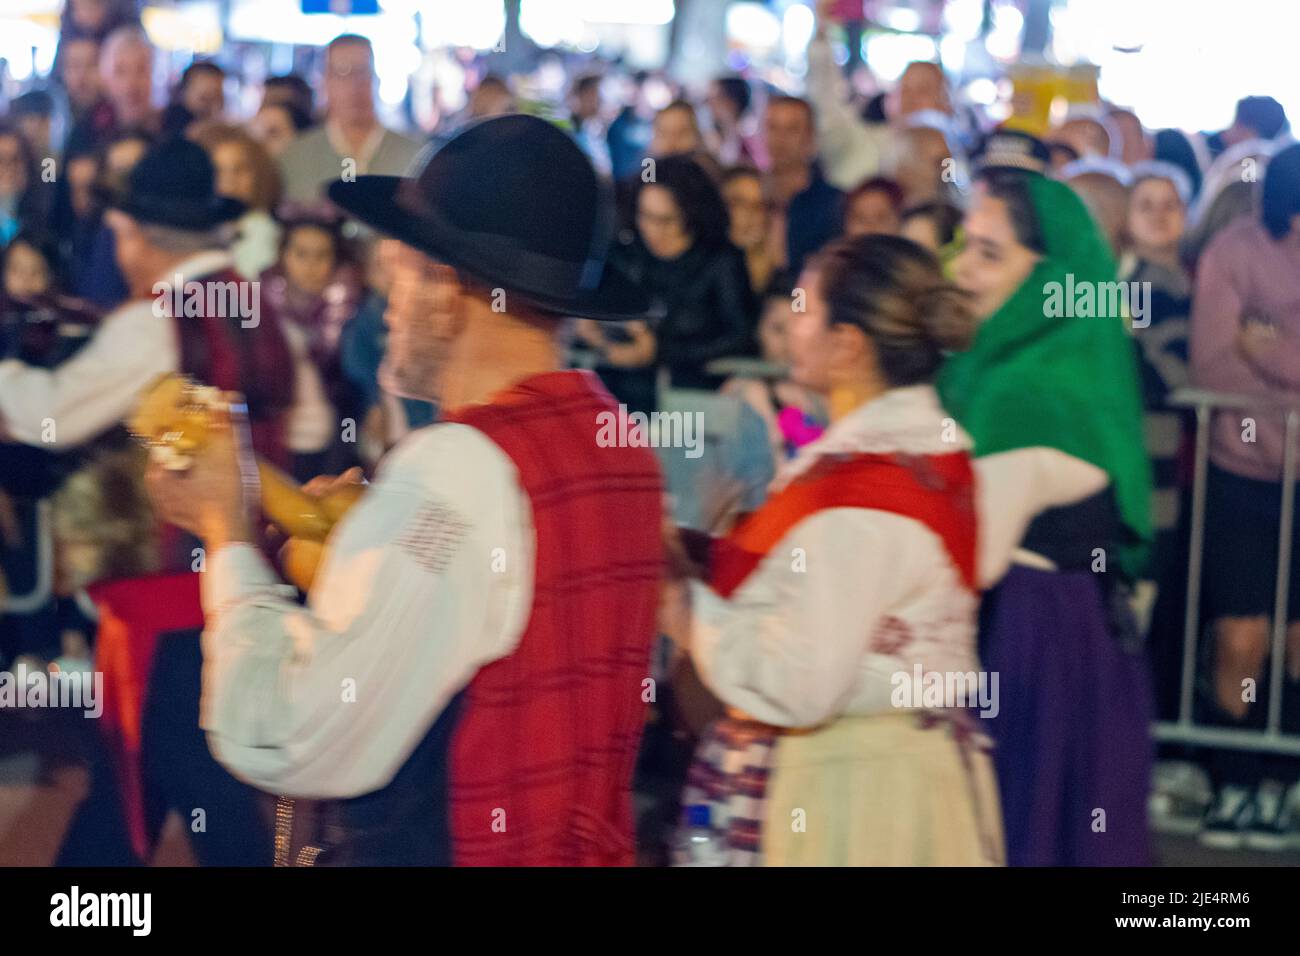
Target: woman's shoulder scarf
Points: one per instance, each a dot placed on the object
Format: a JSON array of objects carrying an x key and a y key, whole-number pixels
[
  {"x": 1055, "y": 367},
  {"x": 936, "y": 490}
]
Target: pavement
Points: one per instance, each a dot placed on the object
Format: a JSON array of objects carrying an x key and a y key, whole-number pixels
[{"x": 43, "y": 778}]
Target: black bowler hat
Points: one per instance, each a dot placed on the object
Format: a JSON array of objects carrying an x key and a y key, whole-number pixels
[
  {"x": 515, "y": 203},
  {"x": 173, "y": 185}
]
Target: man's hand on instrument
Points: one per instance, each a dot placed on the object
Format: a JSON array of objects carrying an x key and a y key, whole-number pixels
[
  {"x": 214, "y": 496},
  {"x": 322, "y": 485}
]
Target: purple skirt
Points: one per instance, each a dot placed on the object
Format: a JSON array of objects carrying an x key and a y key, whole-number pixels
[{"x": 1073, "y": 743}]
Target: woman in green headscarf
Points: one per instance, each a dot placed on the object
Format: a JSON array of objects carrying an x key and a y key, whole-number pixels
[{"x": 1051, "y": 366}]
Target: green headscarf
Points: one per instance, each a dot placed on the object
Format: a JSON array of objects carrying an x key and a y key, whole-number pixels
[{"x": 1070, "y": 383}]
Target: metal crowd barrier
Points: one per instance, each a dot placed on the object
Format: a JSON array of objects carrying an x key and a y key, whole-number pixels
[{"x": 1271, "y": 738}]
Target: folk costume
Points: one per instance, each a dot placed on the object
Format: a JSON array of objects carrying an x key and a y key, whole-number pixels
[
  {"x": 824, "y": 617},
  {"x": 1073, "y": 746},
  {"x": 465, "y": 684},
  {"x": 198, "y": 322}
]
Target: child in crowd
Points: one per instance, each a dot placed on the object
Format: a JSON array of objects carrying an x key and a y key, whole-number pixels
[{"x": 312, "y": 292}]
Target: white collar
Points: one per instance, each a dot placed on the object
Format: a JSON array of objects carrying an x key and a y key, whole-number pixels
[{"x": 907, "y": 420}]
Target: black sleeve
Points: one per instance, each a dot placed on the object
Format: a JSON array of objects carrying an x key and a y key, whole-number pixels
[{"x": 729, "y": 306}]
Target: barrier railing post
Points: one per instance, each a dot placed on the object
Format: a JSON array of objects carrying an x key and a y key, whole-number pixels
[
  {"x": 1277, "y": 654},
  {"x": 1184, "y": 730},
  {"x": 1192, "y": 614}
]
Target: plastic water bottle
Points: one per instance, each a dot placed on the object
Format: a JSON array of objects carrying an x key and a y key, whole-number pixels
[{"x": 698, "y": 845}]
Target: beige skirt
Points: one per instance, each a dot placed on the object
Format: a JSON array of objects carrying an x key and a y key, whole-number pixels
[{"x": 882, "y": 790}]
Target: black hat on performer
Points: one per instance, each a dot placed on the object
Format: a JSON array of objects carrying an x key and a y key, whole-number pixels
[
  {"x": 515, "y": 203},
  {"x": 174, "y": 185}
]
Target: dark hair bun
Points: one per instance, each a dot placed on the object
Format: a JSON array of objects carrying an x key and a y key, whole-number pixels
[
  {"x": 895, "y": 291},
  {"x": 944, "y": 312}
]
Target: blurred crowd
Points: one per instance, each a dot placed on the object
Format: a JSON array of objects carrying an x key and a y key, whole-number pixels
[{"x": 722, "y": 197}]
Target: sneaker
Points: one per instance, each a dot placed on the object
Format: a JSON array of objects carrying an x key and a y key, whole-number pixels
[
  {"x": 1229, "y": 817},
  {"x": 1180, "y": 795},
  {"x": 1274, "y": 825}
]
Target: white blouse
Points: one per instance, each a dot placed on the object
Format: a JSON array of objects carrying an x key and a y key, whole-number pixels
[{"x": 851, "y": 597}]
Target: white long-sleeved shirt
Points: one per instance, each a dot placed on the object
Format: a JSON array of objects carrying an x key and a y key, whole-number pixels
[
  {"x": 851, "y": 597},
  {"x": 427, "y": 579},
  {"x": 67, "y": 406},
  {"x": 851, "y": 148}
]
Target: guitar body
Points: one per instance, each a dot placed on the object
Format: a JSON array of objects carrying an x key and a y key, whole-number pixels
[{"x": 173, "y": 420}]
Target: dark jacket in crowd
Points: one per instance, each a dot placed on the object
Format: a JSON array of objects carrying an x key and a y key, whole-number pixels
[
  {"x": 813, "y": 218},
  {"x": 705, "y": 307}
]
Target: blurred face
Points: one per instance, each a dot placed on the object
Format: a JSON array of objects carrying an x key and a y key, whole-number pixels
[
  {"x": 90, "y": 15},
  {"x": 27, "y": 275},
  {"x": 921, "y": 230},
  {"x": 1135, "y": 147},
  {"x": 309, "y": 259},
  {"x": 424, "y": 317},
  {"x": 36, "y": 130},
  {"x": 721, "y": 108},
  {"x": 236, "y": 177},
  {"x": 586, "y": 103},
  {"x": 749, "y": 215},
  {"x": 661, "y": 224},
  {"x": 205, "y": 95},
  {"x": 350, "y": 83},
  {"x": 127, "y": 75},
  {"x": 921, "y": 87},
  {"x": 674, "y": 133},
  {"x": 80, "y": 63},
  {"x": 1085, "y": 136},
  {"x": 921, "y": 171},
  {"x": 490, "y": 99},
  {"x": 13, "y": 173},
  {"x": 1156, "y": 215},
  {"x": 870, "y": 213},
  {"x": 809, "y": 339},
  {"x": 788, "y": 131},
  {"x": 81, "y": 172},
  {"x": 992, "y": 264},
  {"x": 132, "y": 251},
  {"x": 1107, "y": 202},
  {"x": 273, "y": 127}
]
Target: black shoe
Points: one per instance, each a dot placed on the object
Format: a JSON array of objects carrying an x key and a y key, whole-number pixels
[
  {"x": 1230, "y": 815},
  {"x": 1274, "y": 825}
]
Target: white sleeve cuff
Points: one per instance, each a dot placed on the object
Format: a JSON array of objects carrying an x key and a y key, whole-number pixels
[{"x": 236, "y": 574}]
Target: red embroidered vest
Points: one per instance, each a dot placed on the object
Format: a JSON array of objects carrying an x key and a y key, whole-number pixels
[
  {"x": 543, "y": 750},
  {"x": 937, "y": 490}
]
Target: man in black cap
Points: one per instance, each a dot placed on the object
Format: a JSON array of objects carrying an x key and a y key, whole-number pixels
[
  {"x": 469, "y": 676},
  {"x": 171, "y": 236},
  {"x": 189, "y": 312}
]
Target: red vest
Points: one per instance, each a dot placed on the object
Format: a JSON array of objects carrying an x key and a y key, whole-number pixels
[
  {"x": 937, "y": 490},
  {"x": 543, "y": 750}
]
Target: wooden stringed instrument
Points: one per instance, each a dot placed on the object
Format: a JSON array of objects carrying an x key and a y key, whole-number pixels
[{"x": 174, "y": 419}]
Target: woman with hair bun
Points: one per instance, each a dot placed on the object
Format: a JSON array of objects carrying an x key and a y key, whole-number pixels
[{"x": 829, "y": 614}]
